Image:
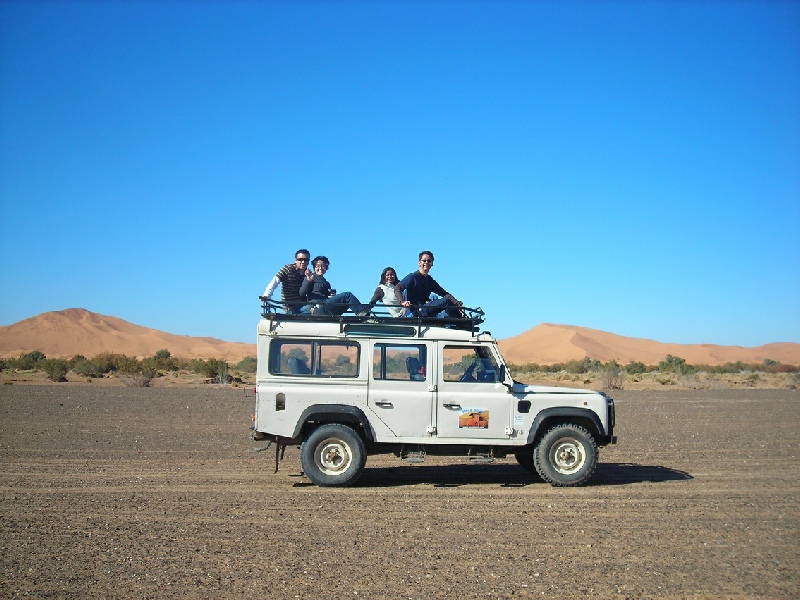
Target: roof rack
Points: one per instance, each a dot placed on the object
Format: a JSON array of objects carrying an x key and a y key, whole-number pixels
[{"x": 469, "y": 320}]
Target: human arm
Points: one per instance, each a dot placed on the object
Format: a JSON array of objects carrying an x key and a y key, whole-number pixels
[
  {"x": 398, "y": 293},
  {"x": 271, "y": 287},
  {"x": 306, "y": 286},
  {"x": 378, "y": 295},
  {"x": 436, "y": 288}
]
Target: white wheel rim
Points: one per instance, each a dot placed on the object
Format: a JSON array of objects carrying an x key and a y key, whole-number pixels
[
  {"x": 333, "y": 456},
  {"x": 567, "y": 456}
]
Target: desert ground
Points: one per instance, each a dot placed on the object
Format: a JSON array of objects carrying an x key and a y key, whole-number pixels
[{"x": 116, "y": 492}]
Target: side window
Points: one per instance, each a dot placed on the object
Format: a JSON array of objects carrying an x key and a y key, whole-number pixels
[
  {"x": 469, "y": 364},
  {"x": 313, "y": 358},
  {"x": 399, "y": 362}
]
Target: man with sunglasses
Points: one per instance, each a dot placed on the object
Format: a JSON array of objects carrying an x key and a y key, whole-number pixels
[
  {"x": 290, "y": 277},
  {"x": 418, "y": 287}
]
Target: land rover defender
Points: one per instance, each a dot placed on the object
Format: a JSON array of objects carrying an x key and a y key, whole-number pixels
[{"x": 346, "y": 387}]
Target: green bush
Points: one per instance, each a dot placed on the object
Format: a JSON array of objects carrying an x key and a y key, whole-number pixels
[
  {"x": 164, "y": 361},
  {"x": 212, "y": 368},
  {"x": 108, "y": 362},
  {"x": 56, "y": 369},
  {"x": 674, "y": 364},
  {"x": 31, "y": 360},
  {"x": 87, "y": 368},
  {"x": 635, "y": 368},
  {"x": 247, "y": 365}
]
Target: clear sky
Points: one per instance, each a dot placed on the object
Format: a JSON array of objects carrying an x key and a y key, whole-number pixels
[{"x": 627, "y": 166}]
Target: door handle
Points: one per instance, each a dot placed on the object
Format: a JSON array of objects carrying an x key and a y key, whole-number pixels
[
  {"x": 384, "y": 403},
  {"x": 451, "y": 405}
]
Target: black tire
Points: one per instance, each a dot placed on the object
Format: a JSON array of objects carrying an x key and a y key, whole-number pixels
[
  {"x": 524, "y": 457},
  {"x": 333, "y": 455},
  {"x": 566, "y": 456}
]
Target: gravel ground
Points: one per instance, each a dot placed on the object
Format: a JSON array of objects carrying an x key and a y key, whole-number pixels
[{"x": 156, "y": 493}]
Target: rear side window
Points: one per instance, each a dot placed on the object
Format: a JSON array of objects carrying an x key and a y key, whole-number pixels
[
  {"x": 399, "y": 362},
  {"x": 314, "y": 358}
]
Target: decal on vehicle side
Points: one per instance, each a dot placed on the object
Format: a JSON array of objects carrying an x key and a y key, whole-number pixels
[{"x": 473, "y": 418}]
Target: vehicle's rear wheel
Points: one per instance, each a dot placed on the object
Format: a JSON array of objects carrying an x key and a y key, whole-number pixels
[
  {"x": 566, "y": 456},
  {"x": 333, "y": 455}
]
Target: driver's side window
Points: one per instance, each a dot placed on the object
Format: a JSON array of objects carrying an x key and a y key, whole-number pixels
[{"x": 468, "y": 364}]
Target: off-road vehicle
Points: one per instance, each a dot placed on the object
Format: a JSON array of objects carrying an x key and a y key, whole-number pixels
[{"x": 345, "y": 387}]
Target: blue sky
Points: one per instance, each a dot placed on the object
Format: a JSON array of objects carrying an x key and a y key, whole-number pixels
[{"x": 632, "y": 167}]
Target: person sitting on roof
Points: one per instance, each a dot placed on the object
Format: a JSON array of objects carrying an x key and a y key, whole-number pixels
[
  {"x": 290, "y": 278},
  {"x": 418, "y": 287},
  {"x": 385, "y": 293},
  {"x": 321, "y": 298}
]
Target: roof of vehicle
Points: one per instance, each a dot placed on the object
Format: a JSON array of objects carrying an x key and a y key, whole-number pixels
[{"x": 376, "y": 324}]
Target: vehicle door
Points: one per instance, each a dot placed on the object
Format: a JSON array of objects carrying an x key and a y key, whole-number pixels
[
  {"x": 400, "y": 390},
  {"x": 471, "y": 402}
]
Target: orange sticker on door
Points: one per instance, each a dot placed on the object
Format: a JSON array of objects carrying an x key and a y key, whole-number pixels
[{"x": 473, "y": 418}]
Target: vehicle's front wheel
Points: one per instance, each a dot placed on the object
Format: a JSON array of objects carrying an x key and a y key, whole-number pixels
[
  {"x": 566, "y": 456},
  {"x": 333, "y": 455},
  {"x": 524, "y": 457}
]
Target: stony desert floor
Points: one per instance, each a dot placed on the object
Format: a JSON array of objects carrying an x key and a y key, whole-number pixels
[{"x": 121, "y": 492}]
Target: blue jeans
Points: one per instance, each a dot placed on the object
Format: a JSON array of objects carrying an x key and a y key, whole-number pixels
[
  {"x": 441, "y": 308},
  {"x": 337, "y": 305}
]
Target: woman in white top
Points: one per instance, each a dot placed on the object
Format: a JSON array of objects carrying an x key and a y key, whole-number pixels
[{"x": 385, "y": 293}]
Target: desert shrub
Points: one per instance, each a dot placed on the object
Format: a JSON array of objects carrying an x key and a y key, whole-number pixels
[
  {"x": 85, "y": 367},
  {"x": 247, "y": 365},
  {"x": 30, "y": 360},
  {"x": 752, "y": 379},
  {"x": 140, "y": 379},
  {"x": 5, "y": 364},
  {"x": 109, "y": 362},
  {"x": 212, "y": 368},
  {"x": 196, "y": 365},
  {"x": 164, "y": 361},
  {"x": 635, "y": 368},
  {"x": 612, "y": 375},
  {"x": 55, "y": 368},
  {"x": 665, "y": 379},
  {"x": 674, "y": 364},
  {"x": 139, "y": 373}
]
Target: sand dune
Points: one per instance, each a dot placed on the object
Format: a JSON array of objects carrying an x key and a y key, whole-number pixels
[
  {"x": 65, "y": 333},
  {"x": 547, "y": 344}
]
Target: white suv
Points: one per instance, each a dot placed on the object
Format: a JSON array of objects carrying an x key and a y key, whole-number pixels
[{"x": 347, "y": 387}]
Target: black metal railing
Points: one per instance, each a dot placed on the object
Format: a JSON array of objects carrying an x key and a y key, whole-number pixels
[{"x": 458, "y": 317}]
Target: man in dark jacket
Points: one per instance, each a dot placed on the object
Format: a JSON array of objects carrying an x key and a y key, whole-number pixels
[{"x": 418, "y": 287}]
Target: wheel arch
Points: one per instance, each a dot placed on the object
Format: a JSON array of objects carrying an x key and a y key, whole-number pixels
[
  {"x": 317, "y": 414},
  {"x": 550, "y": 417}
]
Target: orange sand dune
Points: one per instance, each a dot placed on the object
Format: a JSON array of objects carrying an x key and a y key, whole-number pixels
[
  {"x": 547, "y": 344},
  {"x": 65, "y": 333}
]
